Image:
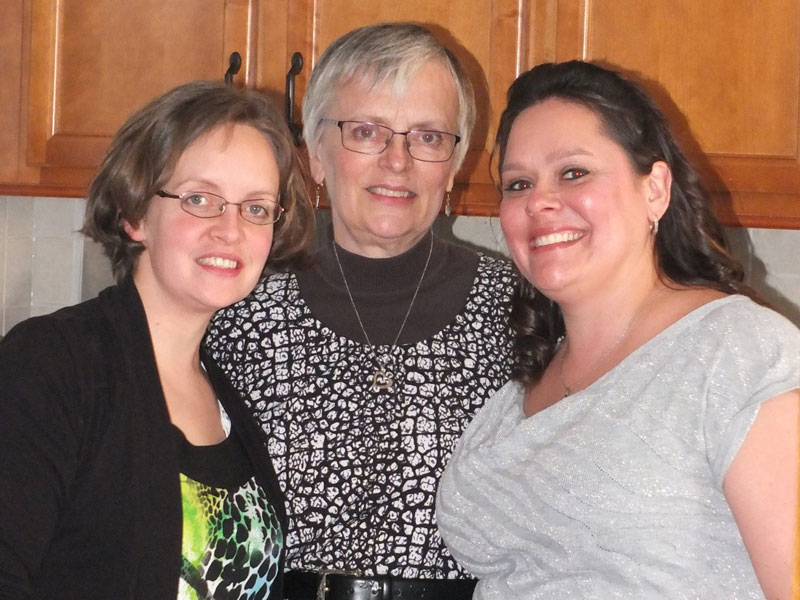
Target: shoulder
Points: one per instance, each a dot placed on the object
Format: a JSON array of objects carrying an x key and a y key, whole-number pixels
[
  {"x": 275, "y": 292},
  {"x": 274, "y": 303},
  {"x": 738, "y": 322},
  {"x": 75, "y": 329},
  {"x": 731, "y": 341},
  {"x": 745, "y": 354},
  {"x": 501, "y": 413},
  {"x": 496, "y": 276},
  {"x": 48, "y": 362}
]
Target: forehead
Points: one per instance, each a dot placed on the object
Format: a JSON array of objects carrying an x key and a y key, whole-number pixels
[
  {"x": 553, "y": 124},
  {"x": 428, "y": 98},
  {"x": 227, "y": 153}
]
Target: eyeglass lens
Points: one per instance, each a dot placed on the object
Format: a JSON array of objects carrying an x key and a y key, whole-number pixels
[
  {"x": 207, "y": 205},
  {"x": 371, "y": 138}
]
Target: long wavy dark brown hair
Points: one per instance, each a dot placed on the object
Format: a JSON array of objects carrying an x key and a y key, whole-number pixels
[{"x": 690, "y": 248}]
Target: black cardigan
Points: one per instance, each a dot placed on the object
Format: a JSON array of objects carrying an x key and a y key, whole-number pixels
[{"x": 90, "y": 501}]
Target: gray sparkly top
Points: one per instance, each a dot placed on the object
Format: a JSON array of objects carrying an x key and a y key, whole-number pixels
[{"x": 616, "y": 491}]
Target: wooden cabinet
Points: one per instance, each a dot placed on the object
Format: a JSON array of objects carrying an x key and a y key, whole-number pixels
[
  {"x": 12, "y": 37},
  {"x": 726, "y": 73},
  {"x": 86, "y": 66}
]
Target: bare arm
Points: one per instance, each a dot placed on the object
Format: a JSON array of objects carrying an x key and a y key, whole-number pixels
[{"x": 761, "y": 487}]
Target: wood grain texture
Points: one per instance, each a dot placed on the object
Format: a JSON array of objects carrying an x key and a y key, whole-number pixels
[{"x": 94, "y": 63}]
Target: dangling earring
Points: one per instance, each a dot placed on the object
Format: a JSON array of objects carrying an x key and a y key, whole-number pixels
[
  {"x": 447, "y": 204},
  {"x": 316, "y": 195},
  {"x": 654, "y": 227}
]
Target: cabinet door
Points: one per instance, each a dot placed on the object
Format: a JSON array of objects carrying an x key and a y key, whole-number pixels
[
  {"x": 725, "y": 72},
  {"x": 11, "y": 36},
  {"x": 93, "y": 63},
  {"x": 484, "y": 34}
]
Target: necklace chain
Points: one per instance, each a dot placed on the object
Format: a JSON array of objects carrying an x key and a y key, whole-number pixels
[
  {"x": 382, "y": 377},
  {"x": 620, "y": 338}
]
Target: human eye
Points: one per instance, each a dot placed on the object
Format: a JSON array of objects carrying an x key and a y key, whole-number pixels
[
  {"x": 429, "y": 138},
  {"x": 201, "y": 204},
  {"x": 574, "y": 173},
  {"x": 364, "y": 131},
  {"x": 259, "y": 209},
  {"x": 196, "y": 199},
  {"x": 517, "y": 185}
]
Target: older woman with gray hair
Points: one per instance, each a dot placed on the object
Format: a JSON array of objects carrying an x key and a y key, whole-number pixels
[{"x": 364, "y": 368}]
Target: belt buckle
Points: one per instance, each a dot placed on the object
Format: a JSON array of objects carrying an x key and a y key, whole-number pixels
[{"x": 322, "y": 588}]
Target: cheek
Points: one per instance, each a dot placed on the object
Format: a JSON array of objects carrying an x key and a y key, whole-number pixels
[
  {"x": 512, "y": 218},
  {"x": 513, "y": 222},
  {"x": 259, "y": 244},
  {"x": 441, "y": 178}
]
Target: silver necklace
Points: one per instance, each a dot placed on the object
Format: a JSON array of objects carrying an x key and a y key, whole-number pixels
[
  {"x": 568, "y": 390},
  {"x": 383, "y": 375}
]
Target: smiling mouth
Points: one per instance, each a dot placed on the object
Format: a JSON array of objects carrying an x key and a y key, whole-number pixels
[
  {"x": 220, "y": 263},
  {"x": 392, "y": 193},
  {"x": 556, "y": 238}
]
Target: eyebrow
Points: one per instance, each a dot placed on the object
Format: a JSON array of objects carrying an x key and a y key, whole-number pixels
[
  {"x": 428, "y": 125},
  {"x": 552, "y": 157},
  {"x": 206, "y": 185}
]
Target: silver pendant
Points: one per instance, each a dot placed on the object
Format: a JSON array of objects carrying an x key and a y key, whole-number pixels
[{"x": 382, "y": 380}]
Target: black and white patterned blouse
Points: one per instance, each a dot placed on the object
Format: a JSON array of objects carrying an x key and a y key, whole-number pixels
[{"x": 360, "y": 468}]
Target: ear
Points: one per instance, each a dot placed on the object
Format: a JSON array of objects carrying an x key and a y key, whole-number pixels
[
  {"x": 451, "y": 181},
  {"x": 315, "y": 164},
  {"x": 659, "y": 187},
  {"x": 136, "y": 233}
]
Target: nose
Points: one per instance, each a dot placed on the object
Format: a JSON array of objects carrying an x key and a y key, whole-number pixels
[
  {"x": 541, "y": 198},
  {"x": 229, "y": 225},
  {"x": 396, "y": 157}
]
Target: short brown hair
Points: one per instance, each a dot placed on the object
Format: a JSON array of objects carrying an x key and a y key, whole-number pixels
[{"x": 146, "y": 149}]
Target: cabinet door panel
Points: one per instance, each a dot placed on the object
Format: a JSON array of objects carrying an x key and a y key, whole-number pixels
[
  {"x": 727, "y": 74},
  {"x": 11, "y": 40},
  {"x": 485, "y": 36},
  {"x": 94, "y": 63}
]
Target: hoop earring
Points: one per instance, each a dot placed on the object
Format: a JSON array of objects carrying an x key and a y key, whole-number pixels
[
  {"x": 316, "y": 195},
  {"x": 654, "y": 227},
  {"x": 447, "y": 204}
]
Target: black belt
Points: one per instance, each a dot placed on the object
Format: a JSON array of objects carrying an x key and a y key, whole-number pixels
[{"x": 307, "y": 585}]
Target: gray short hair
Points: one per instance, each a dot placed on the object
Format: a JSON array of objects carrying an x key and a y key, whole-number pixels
[{"x": 384, "y": 52}]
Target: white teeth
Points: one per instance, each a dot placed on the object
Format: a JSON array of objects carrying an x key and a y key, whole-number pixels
[
  {"x": 556, "y": 238},
  {"x": 387, "y": 192},
  {"x": 216, "y": 261}
]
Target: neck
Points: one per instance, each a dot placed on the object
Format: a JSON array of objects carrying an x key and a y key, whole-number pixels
[
  {"x": 583, "y": 357},
  {"x": 351, "y": 298},
  {"x": 594, "y": 319},
  {"x": 176, "y": 334},
  {"x": 372, "y": 246}
]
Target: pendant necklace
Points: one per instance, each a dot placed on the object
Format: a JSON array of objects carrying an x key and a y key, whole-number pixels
[
  {"x": 568, "y": 390},
  {"x": 383, "y": 376}
]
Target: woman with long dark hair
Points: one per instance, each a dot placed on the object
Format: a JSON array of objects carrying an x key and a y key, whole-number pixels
[{"x": 647, "y": 446}]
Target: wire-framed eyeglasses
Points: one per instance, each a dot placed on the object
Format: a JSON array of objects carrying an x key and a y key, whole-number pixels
[
  {"x": 426, "y": 145},
  {"x": 205, "y": 205}
]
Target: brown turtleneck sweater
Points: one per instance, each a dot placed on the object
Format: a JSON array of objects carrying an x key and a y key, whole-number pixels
[{"x": 382, "y": 289}]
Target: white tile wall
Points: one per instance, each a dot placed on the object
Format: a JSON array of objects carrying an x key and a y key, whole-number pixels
[
  {"x": 44, "y": 263},
  {"x": 41, "y": 256},
  {"x": 772, "y": 260}
]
